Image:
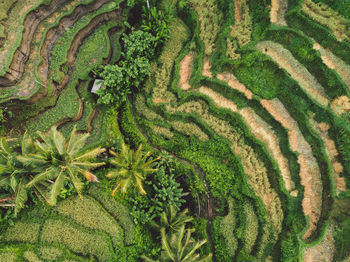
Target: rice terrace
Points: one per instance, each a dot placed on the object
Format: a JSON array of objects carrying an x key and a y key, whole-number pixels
[{"x": 175, "y": 130}]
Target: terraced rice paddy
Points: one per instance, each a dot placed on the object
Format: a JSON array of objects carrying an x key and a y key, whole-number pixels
[{"x": 252, "y": 96}]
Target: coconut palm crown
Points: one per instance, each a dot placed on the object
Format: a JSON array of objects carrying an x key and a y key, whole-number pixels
[
  {"x": 131, "y": 169},
  {"x": 57, "y": 160}
]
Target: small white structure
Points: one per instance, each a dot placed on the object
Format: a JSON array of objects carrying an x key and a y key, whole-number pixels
[{"x": 97, "y": 85}]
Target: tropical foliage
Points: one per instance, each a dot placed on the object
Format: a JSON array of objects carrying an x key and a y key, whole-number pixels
[
  {"x": 55, "y": 160},
  {"x": 180, "y": 247},
  {"x": 131, "y": 168}
]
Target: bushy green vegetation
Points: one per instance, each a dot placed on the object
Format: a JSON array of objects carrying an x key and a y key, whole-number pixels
[{"x": 211, "y": 176}]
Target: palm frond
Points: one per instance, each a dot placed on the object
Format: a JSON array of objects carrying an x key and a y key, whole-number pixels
[
  {"x": 90, "y": 155},
  {"x": 56, "y": 188}
]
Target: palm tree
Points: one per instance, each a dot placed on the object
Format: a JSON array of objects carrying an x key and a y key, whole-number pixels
[
  {"x": 56, "y": 160},
  {"x": 180, "y": 248},
  {"x": 13, "y": 176},
  {"x": 131, "y": 168},
  {"x": 171, "y": 220}
]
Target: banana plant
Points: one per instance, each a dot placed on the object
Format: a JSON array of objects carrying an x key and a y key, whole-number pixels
[
  {"x": 180, "y": 247},
  {"x": 171, "y": 220}
]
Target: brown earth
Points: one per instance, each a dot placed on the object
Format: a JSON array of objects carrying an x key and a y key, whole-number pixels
[
  {"x": 334, "y": 62},
  {"x": 232, "y": 81},
  {"x": 31, "y": 22},
  {"x": 186, "y": 71},
  {"x": 323, "y": 251},
  {"x": 206, "y": 68},
  {"x": 238, "y": 15},
  {"x": 332, "y": 152},
  {"x": 341, "y": 105},
  {"x": 309, "y": 171},
  {"x": 278, "y": 10},
  {"x": 283, "y": 58}
]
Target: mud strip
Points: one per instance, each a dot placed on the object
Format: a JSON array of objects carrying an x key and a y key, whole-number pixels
[
  {"x": 186, "y": 71},
  {"x": 255, "y": 170},
  {"x": 80, "y": 37},
  {"x": 238, "y": 15},
  {"x": 260, "y": 129},
  {"x": 332, "y": 152},
  {"x": 20, "y": 57},
  {"x": 206, "y": 68},
  {"x": 334, "y": 63},
  {"x": 323, "y": 251},
  {"x": 310, "y": 174},
  {"x": 278, "y": 11},
  {"x": 232, "y": 81},
  {"x": 55, "y": 33},
  {"x": 295, "y": 69}
]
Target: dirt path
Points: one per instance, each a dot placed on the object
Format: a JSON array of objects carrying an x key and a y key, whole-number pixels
[
  {"x": 232, "y": 81},
  {"x": 238, "y": 15},
  {"x": 310, "y": 174},
  {"x": 323, "y": 251},
  {"x": 278, "y": 11},
  {"x": 297, "y": 71},
  {"x": 335, "y": 63},
  {"x": 260, "y": 129},
  {"x": 332, "y": 152},
  {"x": 31, "y": 23},
  {"x": 206, "y": 68},
  {"x": 186, "y": 71},
  {"x": 253, "y": 167},
  {"x": 56, "y": 32}
]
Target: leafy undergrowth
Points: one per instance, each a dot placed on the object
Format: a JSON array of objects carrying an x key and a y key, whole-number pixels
[{"x": 251, "y": 106}]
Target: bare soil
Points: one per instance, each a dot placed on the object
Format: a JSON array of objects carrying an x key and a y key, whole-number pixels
[
  {"x": 31, "y": 22},
  {"x": 333, "y": 62},
  {"x": 278, "y": 10},
  {"x": 302, "y": 76},
  {"x": 238, "y": 15},
  {"x": 232, "y": 81},
  {"x": 206, "y": 68},
  {"x": 332, "y": 152},
  {"x": 309, "y": 171},
  {"x": 323, "y": 251},
  {"x": 186, "y": 71},
  {"x": 341, "y": 105}
]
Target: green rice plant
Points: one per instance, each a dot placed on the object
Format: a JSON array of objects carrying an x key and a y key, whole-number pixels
[
  {"x": 231, "y": 49},
  {"x": 77, "y": 240},
  {"x": 324, "y": 15},
  {"x": 23, "y": 232},
  {"x": 341, "y": 6},
  {"x": 242, "y": 30},
  {"x": 172, "y": 47},
  {"x": 189, "y": 129},
  {"x": 91, "y": 54},
  {"x": 50, "y": 253},
  {"x": 227, "y": 228},
  {"x": 8, "y": 257},
  {"x": 160, "y": 130},
  {"x": 143, "y": 110},
  {"x": 251, "y": 229},
  {"x": 61, "y": 47},
  {"x": 88, "y": 213},
  {"x": 30, "y": 256},
  {"x": 210, "y": 19},
  {"x": 117, "y": 210},
  {"x": 15, "y": 27}
]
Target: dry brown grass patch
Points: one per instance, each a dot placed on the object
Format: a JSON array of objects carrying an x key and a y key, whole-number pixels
[
  {"x": 278, "y": 10},
  {"x": 232, "y": 81}
]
